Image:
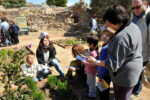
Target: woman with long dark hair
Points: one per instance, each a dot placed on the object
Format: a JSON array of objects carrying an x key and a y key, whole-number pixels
[{"x": 45, "y": 54}]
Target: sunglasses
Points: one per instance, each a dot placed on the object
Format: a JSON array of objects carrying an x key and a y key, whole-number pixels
[{"x": 137, "y": 7}]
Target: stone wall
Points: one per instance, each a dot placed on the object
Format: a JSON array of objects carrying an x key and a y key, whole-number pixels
[{"x": 48, "y": 17}]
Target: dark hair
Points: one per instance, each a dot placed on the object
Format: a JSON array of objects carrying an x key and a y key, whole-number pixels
[
  {"x": 12, "y": 22},
  {"x": 92, "y": 40},
  {"x": 116, "y": 14},
  {"x": 3, "y": 19},
  {"x": 41, "y": 45}
]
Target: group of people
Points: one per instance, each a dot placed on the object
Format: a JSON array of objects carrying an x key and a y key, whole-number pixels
[
  {"x": 96, "y": 27},
  {"x": 45, "y": 55},
  {"x": 124, "y": 53},
  {"x": 8, "y": 32}
]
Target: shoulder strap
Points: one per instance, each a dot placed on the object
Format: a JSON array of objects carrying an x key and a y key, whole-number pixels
[{"x": 148, "y": 18}]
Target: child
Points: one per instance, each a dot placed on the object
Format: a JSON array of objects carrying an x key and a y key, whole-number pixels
[
  {"x": 32, "y": 68},
  {"x": 91, "y": 70},
  {"x": 79, "y": 66},
  {"x": 103, "y": 73}
]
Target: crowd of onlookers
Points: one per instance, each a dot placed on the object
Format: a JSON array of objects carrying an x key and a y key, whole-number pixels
[{"x": 8, "y": 32}]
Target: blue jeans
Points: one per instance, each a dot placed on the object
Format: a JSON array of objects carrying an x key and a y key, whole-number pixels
[
  {"x": 91, "y": 80},
  {"x": 35, "y": 79},
  {"x": 43, "y": 73},
  {"x": 57, "y": 66}
]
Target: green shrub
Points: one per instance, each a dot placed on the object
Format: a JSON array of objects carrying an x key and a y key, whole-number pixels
[
  {"x": 71, "y": 42},
  {"x": 10, "y": 66},
  {"x": 62, "y": 88},
  {"x": 38, "y": 96},
  {"x": 31, "y": 84},
  {"x": 52, "y": 81}
]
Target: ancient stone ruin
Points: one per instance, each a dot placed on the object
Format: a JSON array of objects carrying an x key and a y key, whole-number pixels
[{"x": 39, "y": 17}]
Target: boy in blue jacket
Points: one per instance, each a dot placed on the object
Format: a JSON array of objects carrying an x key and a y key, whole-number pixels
[{"x": 102, "y": 71}]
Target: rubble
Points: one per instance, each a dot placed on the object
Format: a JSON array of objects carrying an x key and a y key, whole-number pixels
[{"x": 43, "y": 16}]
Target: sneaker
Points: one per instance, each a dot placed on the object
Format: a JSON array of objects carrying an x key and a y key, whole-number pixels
[{"x": 133, "y": 96}]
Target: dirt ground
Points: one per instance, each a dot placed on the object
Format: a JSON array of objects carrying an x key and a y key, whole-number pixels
[{"x": 64, "y": 55}]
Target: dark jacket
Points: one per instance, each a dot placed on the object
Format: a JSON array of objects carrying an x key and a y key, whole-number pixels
[
  {"x": 40, "y": 56},
  {"x": 14, "y": 28}
]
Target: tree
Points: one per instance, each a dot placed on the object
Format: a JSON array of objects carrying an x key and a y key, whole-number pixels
[
  {"x": 100, "y": 6},
  {"x": 61, "y": 3},
  {"x": 13, "y": 3}
]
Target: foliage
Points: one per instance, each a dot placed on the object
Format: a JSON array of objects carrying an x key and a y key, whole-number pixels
[
  {"x": 35, "y": 93},
  {"x": 13, "y": 3},
  {"x": 52, "y": 80},
  {"x": 71, "y": 42},
  {"x": 57, "y": 83},
  {"x": 10, "y": 65},
  {"x": 38, "y": 96},
  {"x": 10, "y": 62},
  {"x": 100, "y": 6},
  {"x": 31, "y": 84},
  {"x": 61, "y": 3},
  {"x": 62, "y": 87}
]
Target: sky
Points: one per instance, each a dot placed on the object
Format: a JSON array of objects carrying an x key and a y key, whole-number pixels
[{"x": 69, "y": 3}]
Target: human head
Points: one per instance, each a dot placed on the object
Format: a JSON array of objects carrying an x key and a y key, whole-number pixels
[
  {"x": 11, "y": 22},
  {"x": 3, "y": 19},
  {"x": 116, "y": 16},
  {"x": 77, "y": 49},
  {"x": 139, "y": 6},
  {"x": 30, "y": 58},
  {"x": 45, "y": 41},
  {"x": 107, "y": 34},
  {"x": 92, "y": 42},
  {"x": 45, "y": 44}
]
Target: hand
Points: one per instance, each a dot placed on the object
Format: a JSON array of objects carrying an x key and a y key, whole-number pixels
[
  {"x": 91, "y": 60},
  {"x": 100, "y": 80},
  {"x": 33, "y": 75},
  {"x": 83, "y": 61},
  {"x": 72, "y": 69},
  {"x": 50, "y": 69},
  {"x": 46, "y": 64}
]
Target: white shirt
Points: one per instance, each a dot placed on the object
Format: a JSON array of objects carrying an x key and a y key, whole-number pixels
[{"x": 94, "y": 24}]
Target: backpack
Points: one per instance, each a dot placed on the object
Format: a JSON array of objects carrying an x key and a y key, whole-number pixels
[{"x": 148, "y": 19}]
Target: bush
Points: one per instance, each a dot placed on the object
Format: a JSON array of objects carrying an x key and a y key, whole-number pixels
[
  {"x": 13, "y": 3},
  {"x": 38, "y": 96},
  {"x": 62, "y": 88},
  {"x": 52, "y": 81},
  {"x": 31, "y": 84},
  {"x": 10, "y": 66},
  {"x": 71, "y": 42},
  {"x": 35, "y": 93},
  {"x": 61, "y": 3}
]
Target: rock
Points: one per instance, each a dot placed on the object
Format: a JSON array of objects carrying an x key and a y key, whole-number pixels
[{"x": 33, "y": 28}]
